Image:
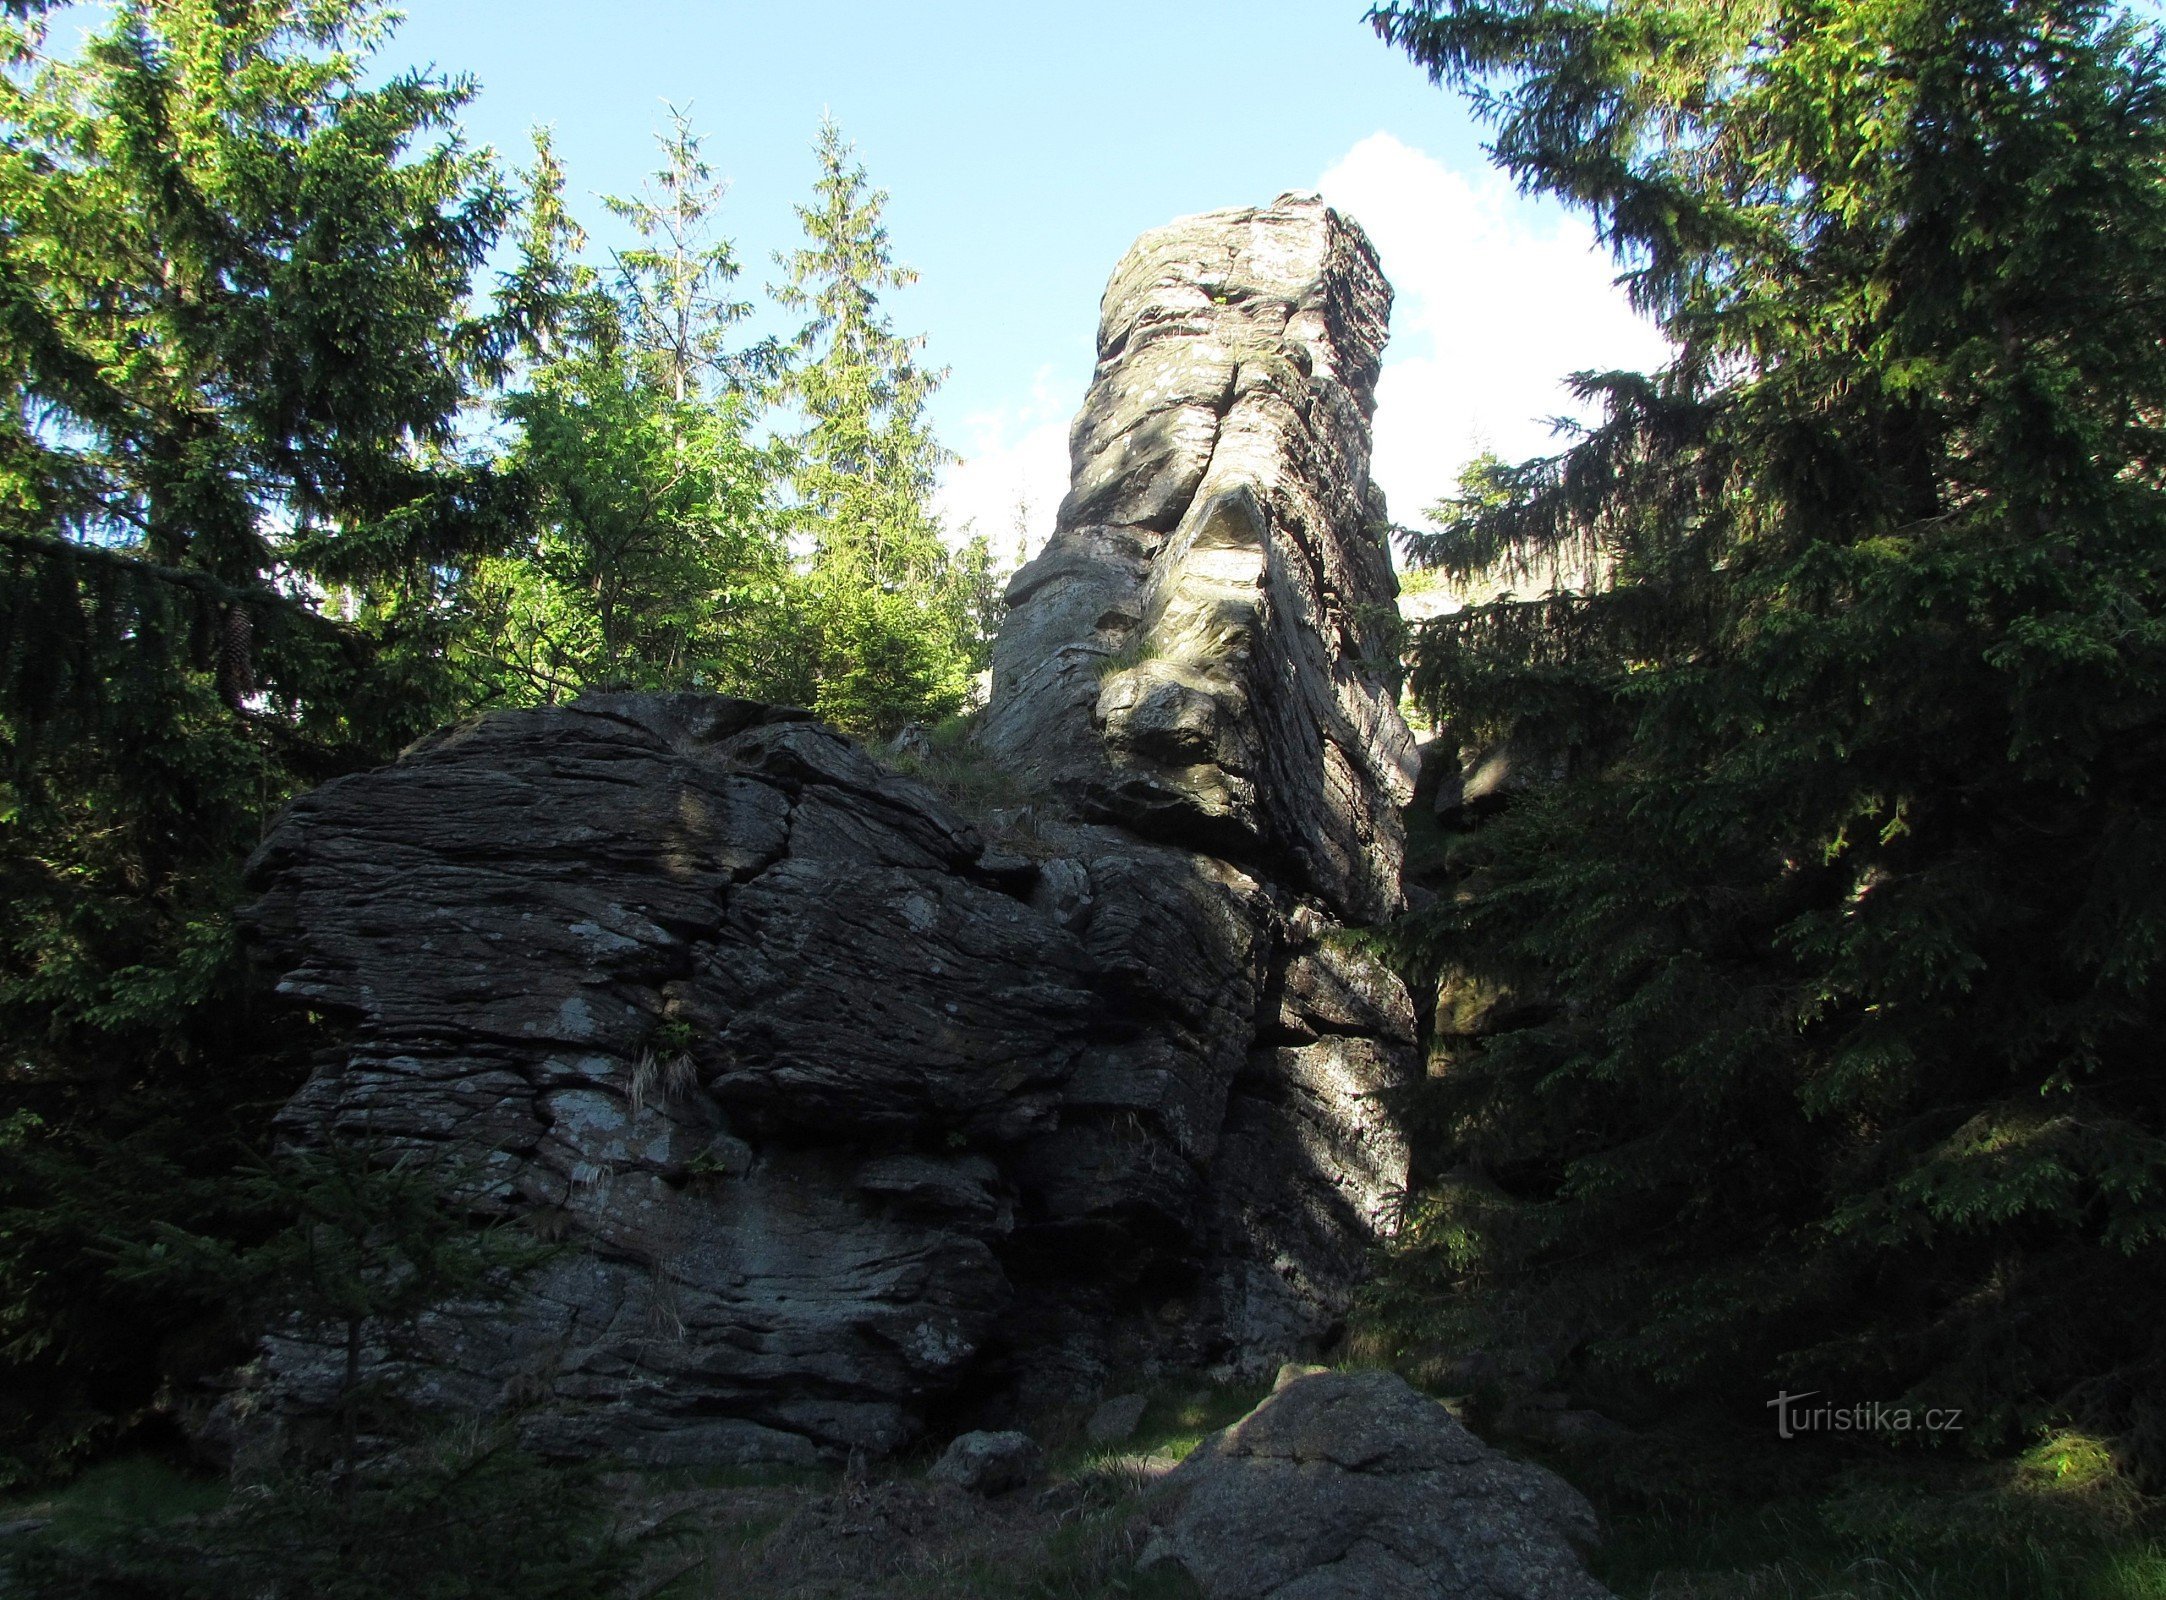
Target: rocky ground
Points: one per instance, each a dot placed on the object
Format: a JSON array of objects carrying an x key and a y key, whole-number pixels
[
  {"x": 895, "y": 1530},
  {"x": 1685, "y": 1518},
  {"x": 1338, "y": 1485},
  {"x": 1079, "y": 1535}
]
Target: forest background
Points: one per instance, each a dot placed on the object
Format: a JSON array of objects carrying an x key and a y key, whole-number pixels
[
  {"x": 1796, "y": 1028},
  {"x": 287, "y": 490}
]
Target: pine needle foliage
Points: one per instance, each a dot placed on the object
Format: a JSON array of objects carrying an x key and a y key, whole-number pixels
[
  {"x": 1832, "y": 967},
  {"x": 235, "y": 340},
  {"x": 889, "y": 615},
  {"x": 677, "y": 286},
  {"x": 654, "y": 557}
]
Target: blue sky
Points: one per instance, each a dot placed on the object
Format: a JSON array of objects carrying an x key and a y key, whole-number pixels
[{"x": 1024, "y": 146}]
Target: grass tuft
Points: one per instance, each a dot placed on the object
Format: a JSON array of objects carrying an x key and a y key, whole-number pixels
[
  {"x": 129, "y": 1492},
  {"x": 1142, "y": 646},
  {"x": 960, "y": 772}
]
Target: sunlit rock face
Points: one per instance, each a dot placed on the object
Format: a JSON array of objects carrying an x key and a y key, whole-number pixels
[
  {"x": 1204, "y": 651},
  {"x": 855, "y": 1114}
]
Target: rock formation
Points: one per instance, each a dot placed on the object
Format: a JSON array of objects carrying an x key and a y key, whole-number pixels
[
  {"x": 1352, "y": 1486},
  {"x": 850, "y": 1110},
  {"x": 1204, "y": 650}
]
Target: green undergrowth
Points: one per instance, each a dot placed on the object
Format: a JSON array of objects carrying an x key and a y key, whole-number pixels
[
  {"x": 129, "y": 1492},
  {"x": 456, "y": 1513},
  {"x": 954, "y": 767},
  {"x": 1073, "y": 1536},
  {"x": 1177, "y": 1416},
  {"x": 1092, "y": 1556},
  {"x": 1800, "y": 1551},
  {"x": 144, "y": 1525},
  {"x": 2059, "y": 1522},
  {"x": 1689, "y": 1515}
]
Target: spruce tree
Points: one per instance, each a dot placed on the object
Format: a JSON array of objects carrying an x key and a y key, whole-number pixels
[
  {"x": 358, "y": 1250},
  {"x": 654, "y": 559},
  {"x": 890, "y": 631},
  {"x": 1803, "y": 1031},
  {"x": 676, "y": 286},
  {"x": 236, "y": 339}
]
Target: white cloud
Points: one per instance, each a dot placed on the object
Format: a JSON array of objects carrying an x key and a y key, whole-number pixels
[
  {"x": 1014, "y": 466},
  {"x": 1498, "y": 299}
]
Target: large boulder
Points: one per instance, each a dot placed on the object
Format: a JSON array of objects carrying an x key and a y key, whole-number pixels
[
  {"x": 1353, "y": 1486},
  {"x": 621, "y": 955},
  {"x": 850, "y": 1110}
]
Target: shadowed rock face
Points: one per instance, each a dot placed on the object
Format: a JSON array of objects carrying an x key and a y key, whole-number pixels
[
  {"x": 848, "y": 1118},
  {"x": 1204, "y": 649}
]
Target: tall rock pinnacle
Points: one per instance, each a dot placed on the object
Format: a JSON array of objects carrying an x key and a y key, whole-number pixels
[{"x": 1205, "y": 650}]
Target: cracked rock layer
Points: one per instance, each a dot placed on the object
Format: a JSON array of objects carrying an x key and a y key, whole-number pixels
[{"x": 848, "y": 1120}]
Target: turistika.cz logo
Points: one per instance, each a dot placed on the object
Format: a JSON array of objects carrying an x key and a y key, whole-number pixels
[{"x": 1793, "y": 1417}]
